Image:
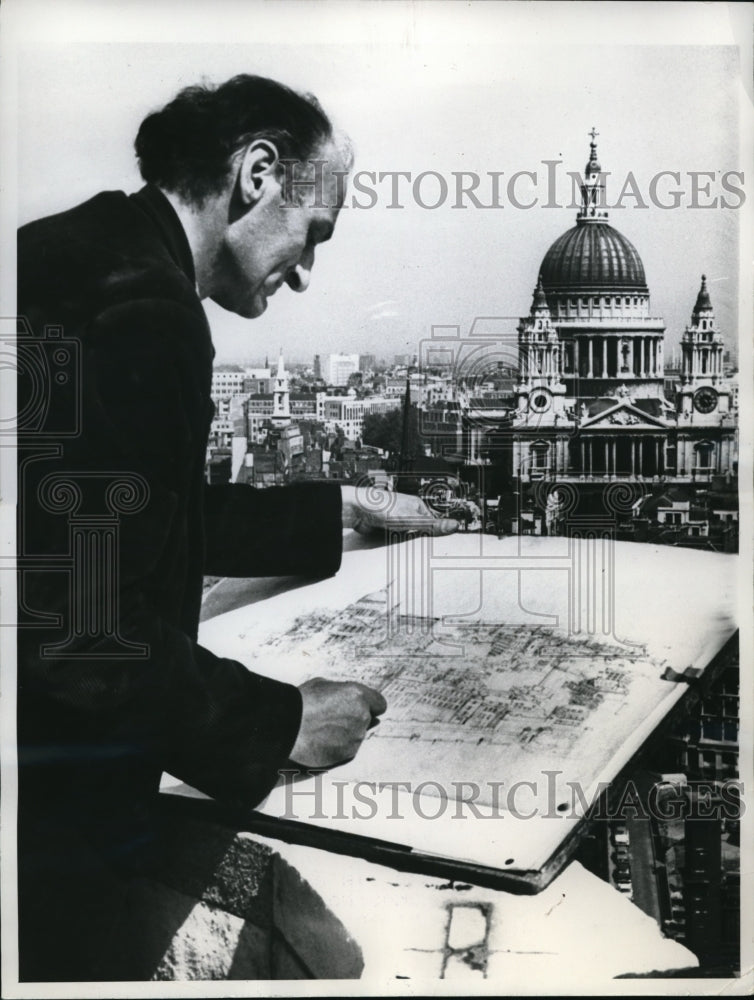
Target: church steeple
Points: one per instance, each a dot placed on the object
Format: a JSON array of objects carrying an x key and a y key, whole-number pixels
[
  {"x": 281, "y": 398},
  {"x": 593, "y": 188},
  {"x": 702, "y": 345},
  {"x": 539, "y": 302},
  {"x": 540, "y": 357},
  {"x": 703, "y": 303}
]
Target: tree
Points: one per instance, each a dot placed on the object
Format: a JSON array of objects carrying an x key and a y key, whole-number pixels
[{"x": 385, "y": 430}]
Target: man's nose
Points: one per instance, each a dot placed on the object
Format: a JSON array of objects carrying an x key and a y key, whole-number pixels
[{"x": 298, "y": 279}]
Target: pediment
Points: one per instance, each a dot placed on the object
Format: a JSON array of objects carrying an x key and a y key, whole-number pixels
[{"x": 623, "y": 414}]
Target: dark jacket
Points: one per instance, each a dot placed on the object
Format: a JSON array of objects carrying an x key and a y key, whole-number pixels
[{"x": 117, "y": 528}]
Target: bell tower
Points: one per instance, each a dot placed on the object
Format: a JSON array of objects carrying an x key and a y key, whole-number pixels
[
  {"x": 541, "y": 388},
  {"x": 704, "y": 392}
]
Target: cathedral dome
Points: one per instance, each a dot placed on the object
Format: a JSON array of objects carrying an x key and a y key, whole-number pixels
[{"x": 592, "y": 257}]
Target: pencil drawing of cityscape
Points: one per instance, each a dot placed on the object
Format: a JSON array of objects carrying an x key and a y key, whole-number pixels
[{"x": 529, "y": 696}]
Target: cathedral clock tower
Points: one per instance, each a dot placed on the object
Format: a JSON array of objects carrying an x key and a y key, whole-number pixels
[{"x": 704, "y": 394}]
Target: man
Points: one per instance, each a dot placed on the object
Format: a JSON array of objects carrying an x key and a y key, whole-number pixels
[{"x": 113, "y": 687}]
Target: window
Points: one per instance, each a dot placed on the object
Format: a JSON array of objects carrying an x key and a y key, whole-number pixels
[
  {"x": 540, "y": 451},
  {"x": 705, "y": 453}
]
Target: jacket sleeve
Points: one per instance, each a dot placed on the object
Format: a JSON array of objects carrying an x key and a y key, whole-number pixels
[
  {"x": 280, "y": 531},
  {"x": 145, "y": 687}
]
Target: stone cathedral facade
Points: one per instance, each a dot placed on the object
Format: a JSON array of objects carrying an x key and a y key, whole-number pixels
[{"x": 590, "y": 399}]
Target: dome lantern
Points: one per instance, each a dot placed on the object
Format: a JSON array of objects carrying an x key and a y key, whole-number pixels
[
  {"x": 592, "y": 188},
  {"x": 593, "y": 257}
]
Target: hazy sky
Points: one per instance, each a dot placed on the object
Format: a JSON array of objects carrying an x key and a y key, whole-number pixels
[{"x": 498, "y": 91}]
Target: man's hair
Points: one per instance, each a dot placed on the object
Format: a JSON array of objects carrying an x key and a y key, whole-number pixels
[{"x": 187, "y": 147}]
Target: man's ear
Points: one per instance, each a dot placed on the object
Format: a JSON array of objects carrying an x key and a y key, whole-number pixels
[{"x": 259, "y": 166}]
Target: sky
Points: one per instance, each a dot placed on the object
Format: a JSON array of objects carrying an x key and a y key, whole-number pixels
[{"x": 423, "y": 87}]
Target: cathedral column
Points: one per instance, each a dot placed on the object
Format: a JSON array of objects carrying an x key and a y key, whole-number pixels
[
  {"x": 590, "y": 452},
  {"x": 583, "y": 456},
  {"x": 590, "y": 356},
  {"x": 657, "y": 456},
  {"x": 633, "y": 456},
  {"x": 630, "y": 359},
  {"x": 604, "y": 357},
  {"x": 607, "y": 456},
  {"x": 614, "y": 448},
  {"x": 641, "y": 457}
]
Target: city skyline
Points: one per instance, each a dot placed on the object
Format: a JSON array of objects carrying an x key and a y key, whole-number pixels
[{"x": 390, "y": 275}]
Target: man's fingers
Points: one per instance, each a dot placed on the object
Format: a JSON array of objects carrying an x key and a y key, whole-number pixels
[
  {"x": 335, "y": 717},
  {"x": 374, "y": 700},
  {"x": 439, "y": 526},
  {"x": 406, "y": 514},
  {"x": 445, "y": 526}
]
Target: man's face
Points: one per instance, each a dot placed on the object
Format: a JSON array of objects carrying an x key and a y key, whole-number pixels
[{"x": 273, "y": 243}]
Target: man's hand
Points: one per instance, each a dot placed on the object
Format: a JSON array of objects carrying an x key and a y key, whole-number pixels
[
  {"x": 371, "y": 508},
  {"x": 334, "y": 721}
]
